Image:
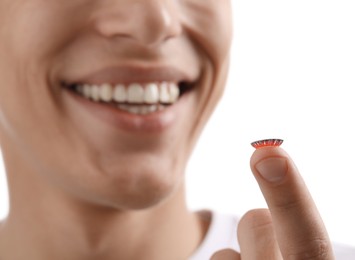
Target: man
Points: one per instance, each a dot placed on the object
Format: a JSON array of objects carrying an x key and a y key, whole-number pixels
[{"x": 101, "y": 103}]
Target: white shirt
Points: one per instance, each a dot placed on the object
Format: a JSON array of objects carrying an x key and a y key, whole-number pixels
[{"x": 222, "y": 234}]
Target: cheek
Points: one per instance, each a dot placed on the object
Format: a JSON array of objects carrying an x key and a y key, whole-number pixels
[
  {"x": 39, "y": 28},
  {"x": 210, "y": 24},
  {"x": 219, "y": 35},
  {"x": 31, "y": 33}
]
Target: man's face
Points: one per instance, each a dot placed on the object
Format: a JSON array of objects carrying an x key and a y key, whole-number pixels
[{"x": 88, "y": 92}]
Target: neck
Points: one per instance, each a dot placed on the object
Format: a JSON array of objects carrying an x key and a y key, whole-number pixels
[
  {"x": 70, "y": 231},
  {"x": 47, "y": 225}
]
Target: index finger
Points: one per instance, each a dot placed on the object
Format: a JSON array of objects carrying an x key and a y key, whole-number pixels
[{"x": 299, "y": 228}]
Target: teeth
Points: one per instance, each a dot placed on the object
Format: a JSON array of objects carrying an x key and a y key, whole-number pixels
[
  {"x": 153, "y": 108},
  {"x": 151, "y": 93},
  {"x": 174, "y": 92},
  {"x": 87, "y": 91},
  {"x": 106, "y": 93},
  {"x": 164, "y": 93},
  {"x": 134, "y": 109},
  {"x": 95, "y": 93},
  {"x": 141, "y": 109},
  {"x": 119, "y": 94},
  {"x": 134, "y": 98},
  {"x": 135, "y": 93}
]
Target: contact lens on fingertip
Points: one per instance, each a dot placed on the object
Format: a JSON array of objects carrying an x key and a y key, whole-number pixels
[{"x": 267, "y": 143}]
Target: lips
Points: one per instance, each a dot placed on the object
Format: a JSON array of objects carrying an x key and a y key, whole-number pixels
[{"x": 133, "y": 98}]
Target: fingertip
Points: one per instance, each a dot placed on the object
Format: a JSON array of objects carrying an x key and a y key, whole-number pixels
[
  {"x": 256, "y": 236},
  {"x": 254, "y": 219},
  {"x": 265, "y": 152},
  {"x": 226, "y": 254}
]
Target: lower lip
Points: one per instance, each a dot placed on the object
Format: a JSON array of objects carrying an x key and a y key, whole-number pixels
[{"x": 151, "y": 123}]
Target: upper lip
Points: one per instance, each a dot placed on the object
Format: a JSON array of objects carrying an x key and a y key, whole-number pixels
[{"x": 134, "y": 74}]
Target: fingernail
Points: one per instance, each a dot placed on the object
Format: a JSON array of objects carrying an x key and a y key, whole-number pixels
[{"x": 272, "y": 169}]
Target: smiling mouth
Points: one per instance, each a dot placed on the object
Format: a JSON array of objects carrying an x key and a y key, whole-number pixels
[{"x": 134, "y": 98}]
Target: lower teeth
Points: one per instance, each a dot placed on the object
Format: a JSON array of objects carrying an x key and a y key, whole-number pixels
[{"x": 141, "y": 109}]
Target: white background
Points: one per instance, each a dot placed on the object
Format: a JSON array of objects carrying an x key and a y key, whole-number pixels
[{"x": 292, "y": 77}]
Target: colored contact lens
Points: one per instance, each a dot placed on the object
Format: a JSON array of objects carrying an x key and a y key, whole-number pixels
[{"x": 267, "y": 142}]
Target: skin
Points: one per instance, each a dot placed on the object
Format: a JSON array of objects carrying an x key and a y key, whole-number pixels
[
  {"x": 291, "y": 227},
  {"x": 74, "y": 193}
]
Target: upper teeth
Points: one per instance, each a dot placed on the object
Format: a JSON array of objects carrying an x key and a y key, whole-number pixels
[{"x": 150, "y": 93}]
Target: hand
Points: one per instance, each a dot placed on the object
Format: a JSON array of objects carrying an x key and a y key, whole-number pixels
[{"x": 291, "y": 228}]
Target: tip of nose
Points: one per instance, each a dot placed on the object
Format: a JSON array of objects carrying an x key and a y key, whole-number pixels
[
  {"x": 156, "y": 35},
  {"x": 148, "y": 25}
]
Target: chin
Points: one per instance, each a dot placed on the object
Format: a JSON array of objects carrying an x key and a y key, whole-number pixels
[
  {"x": 146, "y": 194},
  {"x": 142, "y": 196},
  {"x": 132, "y": 189}
]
